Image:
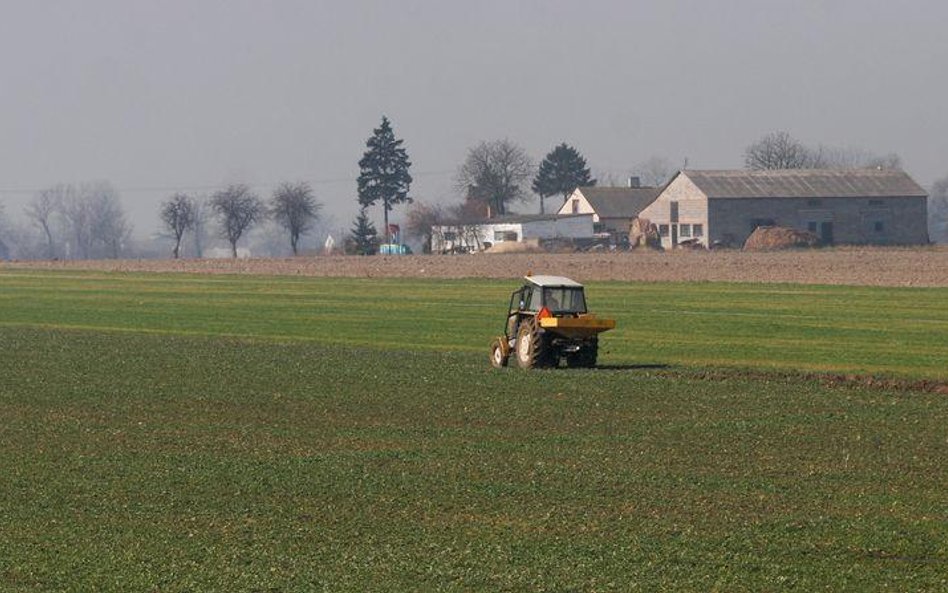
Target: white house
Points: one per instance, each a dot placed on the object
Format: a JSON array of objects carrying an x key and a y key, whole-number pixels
[
  {"x": 613, "y": 208},
  {"x": 483, "y": 234}
]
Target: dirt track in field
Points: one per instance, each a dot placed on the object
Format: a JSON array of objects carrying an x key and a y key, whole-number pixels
[{"x": 923, "y": 266}]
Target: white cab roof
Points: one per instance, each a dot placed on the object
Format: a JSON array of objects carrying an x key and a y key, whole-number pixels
[{"x": 552, "y": 281}]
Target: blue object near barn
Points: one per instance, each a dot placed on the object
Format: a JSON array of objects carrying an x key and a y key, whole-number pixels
[{"x": 394, "y": 249}]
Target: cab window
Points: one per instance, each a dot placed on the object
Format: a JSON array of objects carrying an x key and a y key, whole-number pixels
[
  {"x": 564, "y": 300},
  {"x": 533, "y": 303}
]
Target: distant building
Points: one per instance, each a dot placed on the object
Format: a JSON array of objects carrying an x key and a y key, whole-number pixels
[
  {"x": 613, "y": 208},
  {"x": 483, "y": 234},
  {"x": 844, "y": 206}
]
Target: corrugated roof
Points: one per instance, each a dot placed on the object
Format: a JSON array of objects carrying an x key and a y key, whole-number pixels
[
  {"x": 805, "y": 183},
  {"x": 619, "y": 202}
]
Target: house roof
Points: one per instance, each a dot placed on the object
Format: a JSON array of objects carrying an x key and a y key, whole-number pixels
[
  {"x": 805, "y": 183},
  {"x": 516, "y": 219},
  {"x": 619, "y": 202}
]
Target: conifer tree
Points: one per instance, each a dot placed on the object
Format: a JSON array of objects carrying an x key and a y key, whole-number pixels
[
  {"x": 363, "y": 239},
  {"x": 562, "y": 171},
  {"x": 383, "y": 172}
]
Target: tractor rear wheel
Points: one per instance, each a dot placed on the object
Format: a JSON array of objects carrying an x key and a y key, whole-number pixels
[
  {"x": 533, "y": 350},
  {"x": 498, "y": 357},
  {"x": 585, "y": 357}
]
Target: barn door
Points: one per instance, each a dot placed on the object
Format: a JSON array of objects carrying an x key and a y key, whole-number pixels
[{"x": 826, "y": 233}]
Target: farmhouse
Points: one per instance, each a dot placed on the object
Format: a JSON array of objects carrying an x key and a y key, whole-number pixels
[
  {"x": 848, "y": 206},
  {"x": 480, "y": 235},
  {"x": 613, "y": 208}
]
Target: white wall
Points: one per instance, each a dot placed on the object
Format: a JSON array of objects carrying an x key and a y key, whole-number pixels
[
  {"x": 692, "y": 208},
  {"x": 571, "y": 227}
]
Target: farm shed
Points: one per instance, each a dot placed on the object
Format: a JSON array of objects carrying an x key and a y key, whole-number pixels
[
  {"x": 846, "y": 206},
  {"x": 613, "y": 208},
  {"x": 480, "y": 235}
]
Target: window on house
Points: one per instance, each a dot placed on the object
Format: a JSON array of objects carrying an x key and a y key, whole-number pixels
[
  {"x": 500, "y": 236},
  {"x": 673, "y": 208},
  {"x": 812, "y": 226},
  {"x": 697, "y": 230},
  {"x": 450, "y": 236},
  {"x": 878, "y": 226},
  {"x": 684, "y": 230},
  {"x": 575, "y": 206},
  {"x": 663, "y": 230}
]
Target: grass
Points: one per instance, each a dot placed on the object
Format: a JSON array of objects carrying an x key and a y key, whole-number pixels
[
  {"x": 169, "y": 433},
  {"x": 888, "y": 331}
]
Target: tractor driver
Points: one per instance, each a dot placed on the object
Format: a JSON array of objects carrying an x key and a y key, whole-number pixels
[{"x": 553, "y": 304}]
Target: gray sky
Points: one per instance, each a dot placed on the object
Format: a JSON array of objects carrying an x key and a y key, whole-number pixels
[{"x": 188, "y": 94}]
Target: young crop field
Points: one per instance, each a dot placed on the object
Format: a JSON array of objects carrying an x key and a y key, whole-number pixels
[{"x": 244, "y": 433}]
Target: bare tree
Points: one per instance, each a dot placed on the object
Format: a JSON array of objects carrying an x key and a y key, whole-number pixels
[
  {"x": 178, "y": 214},
  {"x": 496, "y": 173},
  {"x": 199, "y": 230},
  {"x": 777, "y": 150},
  {"x": 75, "y": 210},
  {"x": 95, "y": 220},
  {"x": 851, "y": 158},
  {"x": 422, "y": 220},
  {"x": 109, "y": 228},
  {"x": 654, "y": 171},
  {"x": 294, "y": 208},
  {"x": 43, "y": 209},
  {"x": 237, "y": 209}
]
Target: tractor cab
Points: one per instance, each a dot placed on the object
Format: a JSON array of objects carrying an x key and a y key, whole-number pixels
[
  {"x": 549, "y": 313},
  {"x": 546, "y": 296}
]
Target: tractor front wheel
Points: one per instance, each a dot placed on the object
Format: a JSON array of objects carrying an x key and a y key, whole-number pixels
[{"x": 498, "y": 353}]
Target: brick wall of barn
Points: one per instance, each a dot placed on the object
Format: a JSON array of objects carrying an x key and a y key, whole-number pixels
[{"x": 874, "y": 221}]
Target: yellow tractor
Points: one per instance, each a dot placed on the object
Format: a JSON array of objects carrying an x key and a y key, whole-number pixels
[{"x": 547, "y": 321}]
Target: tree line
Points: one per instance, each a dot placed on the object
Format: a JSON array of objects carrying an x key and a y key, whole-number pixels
[
  {"x": 236, "y": 208},
  {"x": 85, "y": 221}
]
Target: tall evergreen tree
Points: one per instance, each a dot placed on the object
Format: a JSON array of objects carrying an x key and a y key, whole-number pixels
[
  {"x": 363, "y": 239},
  {"x": 562, "y": 171},
  {"x": 383, "y": 172}
]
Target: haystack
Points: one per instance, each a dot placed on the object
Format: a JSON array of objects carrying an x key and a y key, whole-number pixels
[
  {"x": 643, "y": 233},
  {"x": 526, "y": 246},
  {"x": 772, "y": 238}
]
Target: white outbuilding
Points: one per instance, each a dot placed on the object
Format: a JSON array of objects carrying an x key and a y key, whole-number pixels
[{"x": 483, "y": 234}]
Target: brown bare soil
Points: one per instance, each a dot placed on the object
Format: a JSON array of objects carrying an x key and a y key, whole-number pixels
[{"x": 921, "y": 266}]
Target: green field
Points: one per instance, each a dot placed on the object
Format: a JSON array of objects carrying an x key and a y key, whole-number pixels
[
  {"x": 230, "y": 433},
  {"x": 887, "y": 331}
]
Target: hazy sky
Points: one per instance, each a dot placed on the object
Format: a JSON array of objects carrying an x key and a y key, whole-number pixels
[{"x": 192, "y": 94}]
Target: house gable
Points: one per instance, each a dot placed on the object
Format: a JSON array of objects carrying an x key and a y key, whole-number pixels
[
  {"x": 577, "y": 203},
  {"x": 612, "y": 207}
]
